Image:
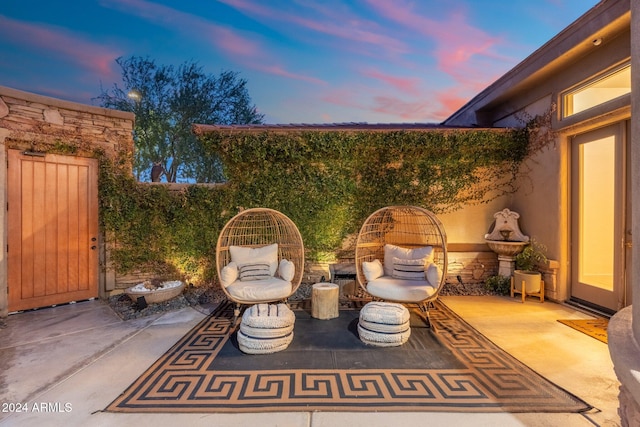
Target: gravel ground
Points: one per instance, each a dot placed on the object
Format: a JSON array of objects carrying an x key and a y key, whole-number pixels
[{"x": 202, "y": 298}]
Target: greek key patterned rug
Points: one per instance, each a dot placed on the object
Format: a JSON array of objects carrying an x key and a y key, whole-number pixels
[{"x": 448, "y": 367}]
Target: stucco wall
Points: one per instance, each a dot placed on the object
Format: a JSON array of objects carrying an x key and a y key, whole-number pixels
[
  {"x": 536, "y": 86},
  {"x": 624, "y": 327},
  {"x": 28, "y": 121}
]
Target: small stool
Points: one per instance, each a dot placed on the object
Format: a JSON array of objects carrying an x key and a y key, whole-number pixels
[
  {"x": 324, "y": 301},
  {"x": 266, "y": 328},
  {"x": 384, "y": 324}
]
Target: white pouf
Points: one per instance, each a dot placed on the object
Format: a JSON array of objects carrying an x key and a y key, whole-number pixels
[
  {"x": 384, "y": 324},
  {"x": 266, "y": 328}
]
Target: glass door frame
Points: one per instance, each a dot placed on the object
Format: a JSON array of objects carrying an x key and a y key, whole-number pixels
[{"x": 608, "y": 301}]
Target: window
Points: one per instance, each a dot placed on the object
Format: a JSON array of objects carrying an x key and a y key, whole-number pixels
[{"x": 597, "y": 91}]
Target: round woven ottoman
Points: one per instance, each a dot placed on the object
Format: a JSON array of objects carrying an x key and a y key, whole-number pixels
[
  {"x": 266, "y": 328},
  {"x": 384, "y": 324}
]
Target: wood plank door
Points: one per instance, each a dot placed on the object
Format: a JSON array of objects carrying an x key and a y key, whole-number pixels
[{"x": 52, "y": 224}]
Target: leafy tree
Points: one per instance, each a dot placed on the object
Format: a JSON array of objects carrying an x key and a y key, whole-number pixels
[{"x": 167, "y": 101}]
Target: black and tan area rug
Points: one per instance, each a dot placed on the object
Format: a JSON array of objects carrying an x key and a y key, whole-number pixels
[
  {"x": 449, "y": 367},
  {"x": 596, "y": 328}
]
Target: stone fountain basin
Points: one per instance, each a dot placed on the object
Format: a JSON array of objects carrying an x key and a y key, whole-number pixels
[{"x": 505, "y": 247}]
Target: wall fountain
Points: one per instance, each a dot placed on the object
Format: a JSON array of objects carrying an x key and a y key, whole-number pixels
[{"x": 506, "y": 240}]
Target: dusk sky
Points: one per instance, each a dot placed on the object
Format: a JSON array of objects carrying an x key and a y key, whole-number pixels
[{"x": 305, "y": 61}]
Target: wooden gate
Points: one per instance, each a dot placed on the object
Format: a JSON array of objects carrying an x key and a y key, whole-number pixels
[{"x": 52, "y": 219}]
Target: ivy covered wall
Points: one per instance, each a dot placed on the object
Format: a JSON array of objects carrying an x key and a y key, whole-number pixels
[{"x": 327, "y": 182}]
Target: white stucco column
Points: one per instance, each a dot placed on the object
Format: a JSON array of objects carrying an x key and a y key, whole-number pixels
[{"x": 624, "y": 328}]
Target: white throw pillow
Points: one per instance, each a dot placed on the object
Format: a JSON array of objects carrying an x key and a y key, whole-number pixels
[
  {"x": 391, "y": 251},
  {"x": 372, "y": 270},
  {"x": 254, "y": 271},
  {"x": 409, "y": 269},
  {"x": 286, "y": 270},
  {"x": 242, "y": 255},
  {"x": 229, "y": 274},
  {"x": 433, "y": 274}
]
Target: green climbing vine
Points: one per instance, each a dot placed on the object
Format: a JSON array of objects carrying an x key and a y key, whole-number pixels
[{"x": 327, "y": 182}]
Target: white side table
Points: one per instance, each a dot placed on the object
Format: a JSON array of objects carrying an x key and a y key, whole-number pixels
[{"x": 324, "y": 300}]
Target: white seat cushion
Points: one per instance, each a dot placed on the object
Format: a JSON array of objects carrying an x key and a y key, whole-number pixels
[
  {"x": 386, "y": 287},
  {"x": 271, "y": 289}
]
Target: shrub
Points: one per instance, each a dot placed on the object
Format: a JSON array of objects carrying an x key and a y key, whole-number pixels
[
  {"x": 533, "y": 255},
  {"x": 498, "y": 284}
]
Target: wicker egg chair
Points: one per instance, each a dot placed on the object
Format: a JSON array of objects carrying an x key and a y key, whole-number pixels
[
  {"x": 408, "y": 227},
  {"x": 256, "y": 228}
]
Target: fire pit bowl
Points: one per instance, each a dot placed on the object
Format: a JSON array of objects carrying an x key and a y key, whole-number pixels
[{"x": 163, "y": 292}]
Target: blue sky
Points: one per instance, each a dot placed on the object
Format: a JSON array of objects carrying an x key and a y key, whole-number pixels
[{"x": 305, "y": 61}]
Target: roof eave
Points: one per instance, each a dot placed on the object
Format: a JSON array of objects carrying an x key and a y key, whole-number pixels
[{"x": 605, "y": 18}]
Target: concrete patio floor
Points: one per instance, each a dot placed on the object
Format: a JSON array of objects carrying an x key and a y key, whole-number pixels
[{"x": 76, "y": 359}]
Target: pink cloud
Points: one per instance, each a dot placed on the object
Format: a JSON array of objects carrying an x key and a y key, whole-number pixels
[
  {"x": 404, "y": 84},
  {"x": 94, "y": 57},
  {"x": 405, "y": 110},
  {"x": 413, "y": 109},
  {"x": 449, "y": 101},
  {"x": 342, "y": 98},
  {"x": 242, "y": 49},
  {"x": 334, "y": 24},
  {"x": 226, "y": 39},
  {"x": 462, "y": 51},
  {"x": 279, "y": 71}
]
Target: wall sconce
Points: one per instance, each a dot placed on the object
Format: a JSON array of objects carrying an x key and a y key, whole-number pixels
[{"x": 34, "y": 153}]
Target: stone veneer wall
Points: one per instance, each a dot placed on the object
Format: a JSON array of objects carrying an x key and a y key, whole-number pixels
[
  {"x": 32, "y": 122},
  {"x": 28, "y": 120},
  {"x": 472, "y": 267}
]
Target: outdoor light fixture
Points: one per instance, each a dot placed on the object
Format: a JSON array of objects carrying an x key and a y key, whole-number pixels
[
  {"x": 597, "y": 42},
  {"x": 134, "y": 94},
  {"x": 34, "y": 153}
]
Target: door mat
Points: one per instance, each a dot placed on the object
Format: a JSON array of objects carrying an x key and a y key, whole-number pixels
[
  {"x": 449, "y": 367},
  {"x": 596, "y": 328}
]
